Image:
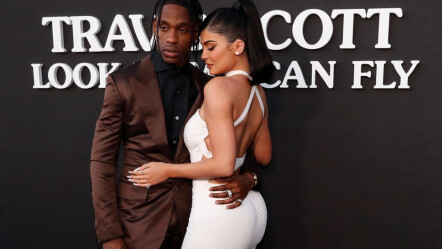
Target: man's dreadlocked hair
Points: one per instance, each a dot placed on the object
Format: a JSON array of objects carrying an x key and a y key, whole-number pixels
[{"x": 195, "y": 14}]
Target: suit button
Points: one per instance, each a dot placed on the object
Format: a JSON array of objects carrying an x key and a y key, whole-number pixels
[{"x": 175, "y": 188}]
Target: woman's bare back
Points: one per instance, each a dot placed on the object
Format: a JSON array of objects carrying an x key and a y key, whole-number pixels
[{"x": 248, "y": 127}]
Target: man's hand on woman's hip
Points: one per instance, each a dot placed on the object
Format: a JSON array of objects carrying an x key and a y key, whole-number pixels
[{"x": 235, "y": 189}]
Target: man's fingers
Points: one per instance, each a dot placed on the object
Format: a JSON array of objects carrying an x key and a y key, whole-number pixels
[
  {"x": 219, "y": 188},
  {"x": 224, "y": 191},
  {"x": 219, "y": 195},
  {"x": 227, "y": 201},
  {"x": 238, "y": 202},
  {"x": 224, "y": 179},
  {"x": 234, "y": 205}
]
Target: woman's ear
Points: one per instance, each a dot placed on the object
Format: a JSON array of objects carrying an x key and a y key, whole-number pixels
[{"x": 238, "y": 47}]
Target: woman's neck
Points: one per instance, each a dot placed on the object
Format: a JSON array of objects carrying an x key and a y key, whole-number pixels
[{"x": 241, "y": 64}]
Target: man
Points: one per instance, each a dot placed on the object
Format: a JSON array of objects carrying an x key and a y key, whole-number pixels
[{"x": 146, "y": 107}]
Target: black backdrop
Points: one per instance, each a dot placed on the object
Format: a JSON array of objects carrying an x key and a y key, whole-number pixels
[{"x": 351, "y": 168}]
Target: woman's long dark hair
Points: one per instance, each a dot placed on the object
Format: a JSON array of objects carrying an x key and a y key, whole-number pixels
[
  {"x": 195, "y": 15},
  {"x": 242, "y": 22}
]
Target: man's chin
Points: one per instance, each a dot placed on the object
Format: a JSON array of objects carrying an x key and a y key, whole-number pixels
[{"x": 172, "y": 60}]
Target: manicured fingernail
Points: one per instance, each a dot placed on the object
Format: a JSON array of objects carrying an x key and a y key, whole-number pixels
[
  {"x": 129, "y": 177},
  {"x": 131, "y": 180},
  {"x": 130, "y": 172},
  {"x": 136, "y": 169},
  {"x": 135, "y": 184}
]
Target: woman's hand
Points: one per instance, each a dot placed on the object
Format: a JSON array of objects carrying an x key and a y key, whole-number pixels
[{"x": 149, "y": 174}]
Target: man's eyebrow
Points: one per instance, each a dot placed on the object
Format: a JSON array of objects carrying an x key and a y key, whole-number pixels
[
  {"x": 184, "y": 24},
  {"x": 179, "y": 24},
  {"x": 208, "y": 42}
]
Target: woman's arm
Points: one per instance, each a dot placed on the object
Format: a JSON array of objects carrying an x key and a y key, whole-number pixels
[{"x": 218, "y": 109}]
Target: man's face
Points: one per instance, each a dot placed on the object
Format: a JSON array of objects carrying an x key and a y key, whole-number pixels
[{"x": 175, "y": 34}]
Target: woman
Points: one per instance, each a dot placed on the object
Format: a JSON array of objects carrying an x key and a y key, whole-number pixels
[{"x": 232, "y": 118}]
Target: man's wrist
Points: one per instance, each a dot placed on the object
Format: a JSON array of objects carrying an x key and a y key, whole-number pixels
[
  {"x": 251, "y": 180},
  {"x": 255, "y": 179}
]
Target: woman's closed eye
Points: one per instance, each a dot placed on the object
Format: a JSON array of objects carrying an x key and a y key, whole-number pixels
[{"x": 211, "y": 48}]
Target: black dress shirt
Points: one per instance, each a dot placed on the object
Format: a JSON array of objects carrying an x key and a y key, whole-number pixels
[{"x": 178, "y": 93}]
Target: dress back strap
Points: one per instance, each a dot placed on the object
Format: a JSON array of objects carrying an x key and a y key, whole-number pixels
[{"x": 253, "y": 92}]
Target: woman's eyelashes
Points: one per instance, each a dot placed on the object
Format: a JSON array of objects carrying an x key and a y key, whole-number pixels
[{"x": 211, "y": 48}]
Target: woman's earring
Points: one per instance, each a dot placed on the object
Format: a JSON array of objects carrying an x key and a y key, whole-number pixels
[{"x": 237, "y": 53}]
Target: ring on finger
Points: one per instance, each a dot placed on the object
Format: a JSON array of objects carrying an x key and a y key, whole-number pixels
[
  {"x": 147, "y": 185},
  {"x": 229, "y": 193},
  {"x": 239, "y": 200}
]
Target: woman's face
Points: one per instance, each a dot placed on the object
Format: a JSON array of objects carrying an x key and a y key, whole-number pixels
[{"x": 217, "y": 53}]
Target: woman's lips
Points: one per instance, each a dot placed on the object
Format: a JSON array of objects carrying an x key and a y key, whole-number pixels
[{"x": 209, "y": 65}]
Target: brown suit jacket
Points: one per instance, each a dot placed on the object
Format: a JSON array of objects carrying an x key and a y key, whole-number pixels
[{"x": 133, "y": 114}]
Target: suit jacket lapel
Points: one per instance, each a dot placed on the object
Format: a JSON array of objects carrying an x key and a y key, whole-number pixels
[{"x": 148, "y": 100}]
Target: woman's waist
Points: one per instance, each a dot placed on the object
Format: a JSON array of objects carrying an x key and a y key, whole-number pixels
[
  {"x": 198, "y": 156},
  {"x": 202, "y": 187},
  {"x": 206, "y": 183}
]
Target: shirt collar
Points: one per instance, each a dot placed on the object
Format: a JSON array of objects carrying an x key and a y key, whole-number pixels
[{"x": 160, "y": 65}]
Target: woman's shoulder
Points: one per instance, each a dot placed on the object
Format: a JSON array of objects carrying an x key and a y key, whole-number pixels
[
  {"x": 218, "y": 94},
  {"x": 218, "y": 86}
]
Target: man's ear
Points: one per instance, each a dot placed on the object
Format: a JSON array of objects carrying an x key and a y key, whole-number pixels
[
  {"x": 154, "y": 27},
  {"x": 195, "y": 34}
]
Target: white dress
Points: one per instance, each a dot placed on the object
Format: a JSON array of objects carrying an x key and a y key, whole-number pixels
[{"x": 212, "y": 226}]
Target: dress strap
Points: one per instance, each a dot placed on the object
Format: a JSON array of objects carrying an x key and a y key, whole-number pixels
[
  {"x": 258, "y": 96},
  {"x": 249, "y": 103},
  {"x": 236, "y": 72},
  {"x": 252, "y": 93}
]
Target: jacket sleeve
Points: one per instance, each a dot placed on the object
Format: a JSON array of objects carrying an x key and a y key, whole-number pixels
[{"x": 103, "y": 164}]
